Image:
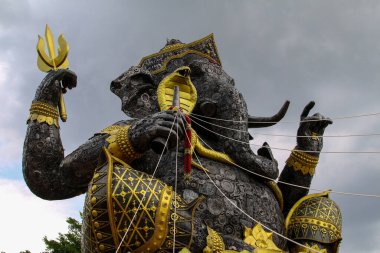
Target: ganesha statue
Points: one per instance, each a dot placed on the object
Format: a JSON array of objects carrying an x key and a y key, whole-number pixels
[{"x": 179, "y": 175}]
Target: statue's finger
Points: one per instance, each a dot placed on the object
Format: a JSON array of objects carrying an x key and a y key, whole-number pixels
[
  {"x": 307, "y": 109},
  {"x": 165, "y": 132},
  {"x": 321, "y": 121},
  {"x": 326, "y": 122},
  {"x": 170, "y": 124},
  {"x": 166, "y": 115},
  {"x": 69, "y": 81},
  {"x": 265, "y": 151}
]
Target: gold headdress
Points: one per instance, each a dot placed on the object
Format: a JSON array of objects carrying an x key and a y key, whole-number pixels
[{"x": 204, "y": 47}]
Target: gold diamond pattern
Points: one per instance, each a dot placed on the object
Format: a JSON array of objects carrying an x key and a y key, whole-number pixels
[
  {"x": 127, "y": 206},
  {"x": 135, "y": 196},
  {"x": 317, "y": 218}
]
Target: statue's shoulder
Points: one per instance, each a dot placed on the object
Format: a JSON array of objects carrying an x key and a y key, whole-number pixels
[{"x": 114, "y": 128}]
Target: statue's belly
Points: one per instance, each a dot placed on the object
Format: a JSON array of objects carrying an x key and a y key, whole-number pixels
[{"x": 227, "y": 189}]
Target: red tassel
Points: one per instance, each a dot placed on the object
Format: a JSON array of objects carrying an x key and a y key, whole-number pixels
[{"x": 187, "y": 146}]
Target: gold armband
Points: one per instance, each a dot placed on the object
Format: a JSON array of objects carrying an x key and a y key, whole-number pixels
[
  {"x": 119, "y": 144},
  {"x": 301, "y": 161},
  {"x": 43, "y": 113}
]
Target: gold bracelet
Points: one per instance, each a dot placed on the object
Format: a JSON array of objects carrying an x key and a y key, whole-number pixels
[
  {"x": 125, "y": 145},
  {"x": 301, "y": 161},
  {"x": 119, "y": 144},
  {"x": 43, "y": 113}
]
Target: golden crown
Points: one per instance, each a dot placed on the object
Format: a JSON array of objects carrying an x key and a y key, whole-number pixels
[{"x": 205, "y": 47}]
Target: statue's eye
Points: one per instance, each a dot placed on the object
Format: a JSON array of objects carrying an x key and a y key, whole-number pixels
[
  {"x": 196, "y": 70},
  {"x": 140, "y": 79}
]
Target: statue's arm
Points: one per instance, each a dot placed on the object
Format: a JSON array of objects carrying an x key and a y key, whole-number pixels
[
  {"x": 47, "y": 172},
  {"x": 300, "y": 166}
]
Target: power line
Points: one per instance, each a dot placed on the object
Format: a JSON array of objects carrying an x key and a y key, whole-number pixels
[
  {"x": 322, "y": 136},
  {"x": 284, "y": 135},
  {"x": 295, "y": 185},
  {"x": 285, "y": 149},
  {"x": 297, "y": 121},
  {"x": 298, "y": 186}
]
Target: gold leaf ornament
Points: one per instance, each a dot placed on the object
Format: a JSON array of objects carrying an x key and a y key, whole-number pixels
[{"x": 261, "y": 240}]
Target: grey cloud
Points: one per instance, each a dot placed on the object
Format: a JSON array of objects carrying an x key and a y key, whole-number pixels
[{"x": 325, "y": 51}]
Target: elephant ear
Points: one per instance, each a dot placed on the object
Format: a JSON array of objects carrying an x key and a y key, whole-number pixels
[{"x": 259, "y": 122}]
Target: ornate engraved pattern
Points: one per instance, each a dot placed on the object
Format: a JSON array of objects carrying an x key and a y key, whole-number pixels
[
  {"x": 125, "y": 145},
  {"x": 315, "y": 217},
  {"x": 128, "y": 190},
  {"x": 204, "y": 47},
  {"x": 215, "y": 242},
  {"x": 97, "y": 228},
  {"x": 116, "y": 195},
  {"x": 299, "y": 249},
  {"x": 119, "y": 144},
  {"x": 303, "y": 162},
  {"x": 111, "y": 129},
  {"x": 180, "y": 225},
  {"x": 42, "y": 112}
]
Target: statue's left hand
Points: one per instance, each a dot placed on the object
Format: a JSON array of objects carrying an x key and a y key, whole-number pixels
[{"x": 311, "y": 130}]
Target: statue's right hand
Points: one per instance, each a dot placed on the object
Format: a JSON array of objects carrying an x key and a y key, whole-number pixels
[
  {"x": 55, "y": 82},
  {"x": 159, "y": 125}
]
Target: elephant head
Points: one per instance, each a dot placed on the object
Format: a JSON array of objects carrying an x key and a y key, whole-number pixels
[
  {"x": 135, "y": 87},
  {"x": 218, "y": 100}
]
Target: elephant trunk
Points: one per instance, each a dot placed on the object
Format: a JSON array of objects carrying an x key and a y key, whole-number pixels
[{"x": 232, "y": 133}]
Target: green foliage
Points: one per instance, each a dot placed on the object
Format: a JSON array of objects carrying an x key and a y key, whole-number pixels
[
  {"x": 25, "y": 251},
  {"x": 66, "y": 243}
]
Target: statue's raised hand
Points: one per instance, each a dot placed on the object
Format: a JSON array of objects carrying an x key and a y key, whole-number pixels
[
  {"x": 159, "y": 125},
  {"x": 55, "y": 82},
  {"x": 311, "y": 130}
]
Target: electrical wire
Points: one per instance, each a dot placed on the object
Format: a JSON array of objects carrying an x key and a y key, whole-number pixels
[
  {"x": 233, "y": 129},
  {"x": 321, "y": 136},
  {"x": 284, "y": 135},
  {"x": 285, "y": 149},
  {"x": 295, "y": 185},
  {"x": 321, "y": 152},
  {"x": 175, "y": 191},
  {"x": 308, "y": 120},
  {"x": 150, "y": 181}
]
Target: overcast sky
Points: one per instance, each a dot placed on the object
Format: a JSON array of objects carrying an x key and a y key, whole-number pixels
[{"x": 326, "y": 51}]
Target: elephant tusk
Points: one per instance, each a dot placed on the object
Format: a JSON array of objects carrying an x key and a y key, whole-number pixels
[{"x": 258, "y": 122}]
